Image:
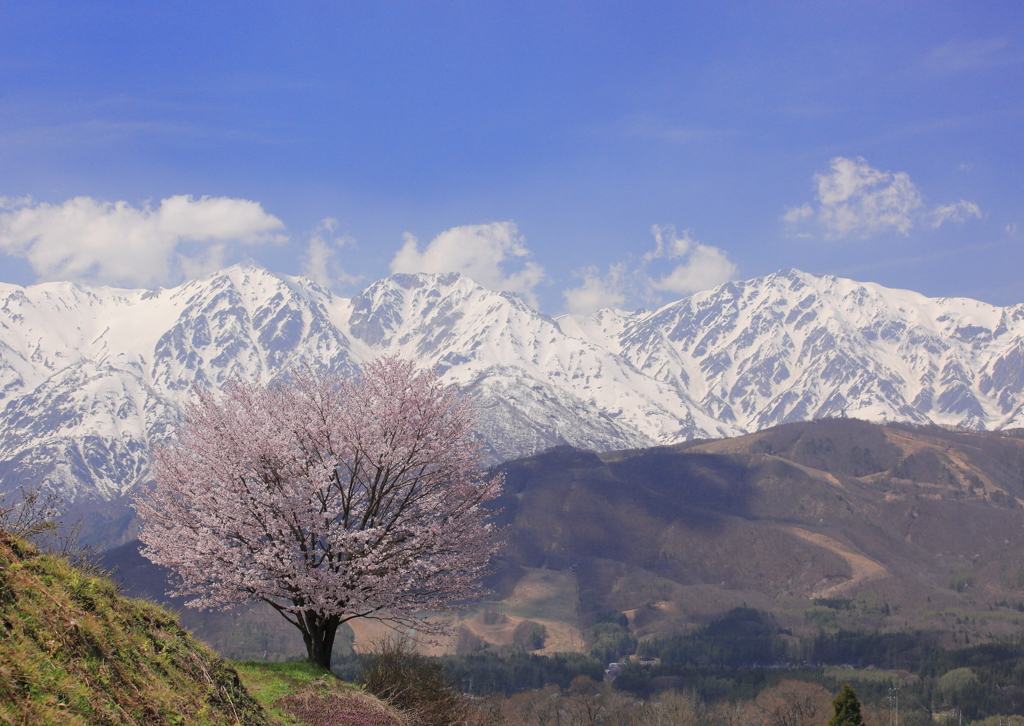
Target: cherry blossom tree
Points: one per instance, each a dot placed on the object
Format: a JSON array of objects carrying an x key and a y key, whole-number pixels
[{"x": 328, "y": 499}]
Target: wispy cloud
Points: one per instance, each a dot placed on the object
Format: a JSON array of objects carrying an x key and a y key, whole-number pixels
[
  {"x": 669, "y": 132},
  {"x": 959, "y": 56},
  {"x": 855, "y": 199},
  {"x": 100, "y": 132},
  {"x": 858, "y": 198},
  {"x": 48, "y": 123},
  {"x": 957, "y": 212},
  {"x": 653, "y": 127},
  {"x": 15, "y": 202},
  {"x": 115, "y": 243},
  {"x": 908, "y": 260}
]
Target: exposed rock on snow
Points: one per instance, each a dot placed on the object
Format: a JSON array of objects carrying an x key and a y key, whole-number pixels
[{"x": 91, "y": 377}]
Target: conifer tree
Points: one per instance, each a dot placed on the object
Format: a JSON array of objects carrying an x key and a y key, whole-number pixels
[{"x": 847, "y": 708}]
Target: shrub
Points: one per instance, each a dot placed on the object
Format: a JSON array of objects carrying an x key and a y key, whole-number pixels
[
  {"x": 37, "y": 516},
  {"x": 491, "y": 617},
  {"x": 961, "y": 579},
  {"x": 530, "y": 635},
  {"x": 395, "y": 672},
  {"x": 955, "y": 682},
  {"x": 611, "y": 642}
]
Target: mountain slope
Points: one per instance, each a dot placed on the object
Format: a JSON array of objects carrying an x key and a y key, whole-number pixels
[
  {"x": 90, "y": 378},
  {"x": 793, "y": 346},
  {"x": 896, "y": 526}
]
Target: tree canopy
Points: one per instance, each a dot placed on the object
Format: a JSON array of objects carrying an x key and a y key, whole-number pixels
[
  {"x": 846, "y": 706},
  {"x": 329, "y": 499}
]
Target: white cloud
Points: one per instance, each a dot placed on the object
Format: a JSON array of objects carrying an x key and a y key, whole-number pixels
[
  {"x": 705, "y": 267},
  {"x": 969, "y": 55},
  {"x": 15, "y": 202},
  {"x": 855, "y": 199},
  {"x": 597, "y": 292},
  {"x": 115, "y": 243},
  {"x": 319, "y": 263},
  {"x": 480, "y": 251},
  {"x": 202, "y": 263},
  {"x": 699, "y": 267}
]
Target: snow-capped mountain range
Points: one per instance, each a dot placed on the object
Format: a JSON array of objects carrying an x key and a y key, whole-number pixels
[{"x": 91, "y": 377}]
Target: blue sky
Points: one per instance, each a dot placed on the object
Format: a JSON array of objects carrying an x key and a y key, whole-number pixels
[{"x": 582, "y": 154}]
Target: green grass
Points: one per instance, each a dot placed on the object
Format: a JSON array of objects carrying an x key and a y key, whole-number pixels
[
  {"x": 74, "y": 651},
  {"x": 268, "y": 683},
  {"x": 281, "y": 688}
]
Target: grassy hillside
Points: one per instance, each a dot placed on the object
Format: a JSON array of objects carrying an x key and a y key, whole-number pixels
[{"x": 74, "y": 651}]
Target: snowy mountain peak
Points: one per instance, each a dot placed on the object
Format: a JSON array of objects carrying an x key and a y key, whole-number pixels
[{"x": 90, "y": 378}]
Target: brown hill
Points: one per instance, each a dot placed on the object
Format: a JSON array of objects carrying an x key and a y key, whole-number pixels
[
  {"x": 836, "y": 523},
  {"x": 921, "y": 526}
]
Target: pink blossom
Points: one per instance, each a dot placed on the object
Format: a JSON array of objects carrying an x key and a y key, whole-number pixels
[{"x": 329, "y": 499}]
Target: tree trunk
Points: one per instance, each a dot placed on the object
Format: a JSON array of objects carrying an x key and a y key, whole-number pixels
[{"x": 318, "y": 635}]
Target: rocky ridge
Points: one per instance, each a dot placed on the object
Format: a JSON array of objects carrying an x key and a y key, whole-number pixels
[{"x": 90, "y": 378}]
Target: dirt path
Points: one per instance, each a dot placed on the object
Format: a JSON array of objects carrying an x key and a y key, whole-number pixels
[{"x": 863, "y": 568}]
